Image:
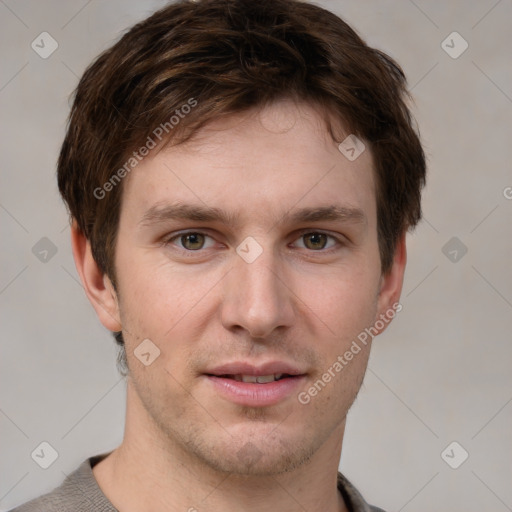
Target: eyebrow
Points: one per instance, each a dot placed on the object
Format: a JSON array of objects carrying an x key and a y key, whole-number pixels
[
  {"x": 332, "y": 212},
  {"x": 160, "y": 213}
]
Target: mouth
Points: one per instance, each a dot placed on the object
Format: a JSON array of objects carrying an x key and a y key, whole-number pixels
[
  {"x": 256, "y": 379},
  {"x": 253, "y": 386}
]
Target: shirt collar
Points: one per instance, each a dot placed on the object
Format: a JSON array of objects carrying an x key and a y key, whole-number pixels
[{"x": 352, "y": 497}]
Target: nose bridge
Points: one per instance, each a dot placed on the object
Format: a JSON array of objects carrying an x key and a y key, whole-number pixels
[
  {"x": 256, "y": 299},
  {"x": 259, "y": 279}
]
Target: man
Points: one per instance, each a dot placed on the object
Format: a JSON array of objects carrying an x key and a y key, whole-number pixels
[{"x": 240, "y": 177}]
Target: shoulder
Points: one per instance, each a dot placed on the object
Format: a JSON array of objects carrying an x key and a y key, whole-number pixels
[
  {"x": 353, "y": 498},
  {"x": 79, "y": 492},
  {"x": 50, "y": 502}
]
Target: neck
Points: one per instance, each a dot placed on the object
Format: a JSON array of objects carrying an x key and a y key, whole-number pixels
[{"x": 149, "y": 471}]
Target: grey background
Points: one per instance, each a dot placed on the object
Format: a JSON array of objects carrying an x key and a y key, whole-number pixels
[{"x": 440, "y": 373}]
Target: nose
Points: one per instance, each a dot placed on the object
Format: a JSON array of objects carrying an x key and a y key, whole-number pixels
[{"x": 257, "y": 297}]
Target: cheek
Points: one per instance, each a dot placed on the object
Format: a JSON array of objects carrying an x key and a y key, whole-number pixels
[
  {"x": 153, "y": 293},
  {"x": 172, "y": 308},
  {"x": 345, "y": 302}
]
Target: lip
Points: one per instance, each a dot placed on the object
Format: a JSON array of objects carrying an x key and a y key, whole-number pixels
[
  {"x": 244, "y": 368},
  {"x": 250, "y": 394},
  {"x": 255, "y": 395}
]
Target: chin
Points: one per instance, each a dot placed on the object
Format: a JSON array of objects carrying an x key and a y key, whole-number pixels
[
  {"x": 250, "y": 461},
  {"x": 256, "y": 453}
]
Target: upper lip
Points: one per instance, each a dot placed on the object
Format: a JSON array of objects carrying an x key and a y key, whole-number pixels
[{"x": 244, "y": 368}]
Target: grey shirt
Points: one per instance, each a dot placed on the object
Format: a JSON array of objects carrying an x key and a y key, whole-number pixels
[{"x": 81, "y": 493}]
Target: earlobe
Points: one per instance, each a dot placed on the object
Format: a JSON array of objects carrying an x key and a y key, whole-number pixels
[
  {"x": 388, "y": 302},
  {"x": 97, "y": 285}
]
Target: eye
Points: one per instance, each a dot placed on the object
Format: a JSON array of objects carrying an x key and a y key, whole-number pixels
[
  {"x": 316, "y": 241},
  {"x": 191, "y": 241}
]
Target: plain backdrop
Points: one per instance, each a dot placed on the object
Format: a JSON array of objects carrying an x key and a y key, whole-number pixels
[{"x": 441, "y": 372}]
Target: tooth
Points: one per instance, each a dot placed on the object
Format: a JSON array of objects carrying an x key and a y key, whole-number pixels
[
  {"x": 238, "y": 378},
  {"x": 278, "y": 376},
  {"x": 265, "y": 378},
  {"x": 249, "y": 378}
]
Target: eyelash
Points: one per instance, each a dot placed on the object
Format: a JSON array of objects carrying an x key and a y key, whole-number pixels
[{"x": 189, "y": 252}]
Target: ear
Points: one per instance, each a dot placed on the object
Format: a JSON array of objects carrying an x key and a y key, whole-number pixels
[
  {"x": 97, "y": 285},
  {"x": 391, "y": 287}
]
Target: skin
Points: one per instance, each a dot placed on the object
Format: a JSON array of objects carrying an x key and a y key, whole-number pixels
[{"x": 297, "y": 302}]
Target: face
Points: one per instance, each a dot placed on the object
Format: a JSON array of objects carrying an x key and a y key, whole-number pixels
[{"x": 248, "y": 254}]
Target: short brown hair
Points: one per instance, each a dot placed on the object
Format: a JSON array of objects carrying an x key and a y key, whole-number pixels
[{"x": 229, "y": 56}]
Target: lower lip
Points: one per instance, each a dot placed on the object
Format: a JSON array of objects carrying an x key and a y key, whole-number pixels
[{"x": 251, "y": 394}]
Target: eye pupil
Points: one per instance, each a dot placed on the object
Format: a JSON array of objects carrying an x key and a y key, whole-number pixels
[
  {"x": 315, "y": 240},
  {"x": 193, "y": 241}
]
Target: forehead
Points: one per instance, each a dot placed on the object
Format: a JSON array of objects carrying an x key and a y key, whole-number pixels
[{"x": 260, "y": 163}]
